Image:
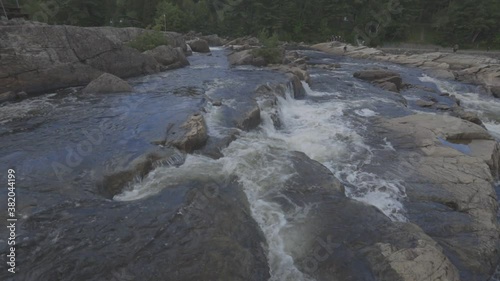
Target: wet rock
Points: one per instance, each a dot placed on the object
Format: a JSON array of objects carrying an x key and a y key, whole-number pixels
[
  {"x": 467, "y": 115},
  {"x": 341, "y": 239},
  {"x": 107, "y": 83},
  {"x": 203, "y": 228},
  {"x": 246, "y": 57},
  {"x": 328, "y": 66},
  {"x": 192, "y": 135},
  {"x": 217, "y": 103},
  {"x": 7, "y": 96},
  {"x": 250, "y": 120},
  {"x": 199, "y": 45},
  {"x": 450, "y": 165},
  {"x": 114, "y": 183},
  {"x": 495, "y": 91},
  {"x": 300, "y": 73},
  {"x": 424, "y": 103},
  {"x": 297, "y": 88},
  {"x": 168, "y": 56},
  {"x": 385, "y": 79},
  {"x": 388, "y": 86},
  {"x": 443, "y": 107}
]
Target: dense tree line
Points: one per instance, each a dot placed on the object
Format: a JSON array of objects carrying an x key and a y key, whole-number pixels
[{"x": 465, "y": 22}]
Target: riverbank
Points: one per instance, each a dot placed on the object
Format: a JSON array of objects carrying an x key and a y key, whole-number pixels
[{"x": 464, "y": 67}]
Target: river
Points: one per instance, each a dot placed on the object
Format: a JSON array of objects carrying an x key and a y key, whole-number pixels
[{"x": 62, "y": 144}]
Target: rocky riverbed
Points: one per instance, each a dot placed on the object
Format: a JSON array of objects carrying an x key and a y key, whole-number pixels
[
  {"x": 464, "y": 67},
  {"x": 324, "y": 167}
]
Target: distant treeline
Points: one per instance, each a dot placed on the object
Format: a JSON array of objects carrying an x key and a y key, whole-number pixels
[{"x": 447, "y": 22}]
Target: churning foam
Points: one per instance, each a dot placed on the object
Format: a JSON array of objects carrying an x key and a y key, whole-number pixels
[
  {"x": 260, "y": 160},
  {"x": 488, "y": 109}
]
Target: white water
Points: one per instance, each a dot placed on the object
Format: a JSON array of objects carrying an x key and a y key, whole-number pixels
[
  {"x": 260, "y": 160},
  {"x": 488, "y": 109}
]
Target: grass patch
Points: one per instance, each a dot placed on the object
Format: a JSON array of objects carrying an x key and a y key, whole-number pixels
[{"x": 148, "y": 41}]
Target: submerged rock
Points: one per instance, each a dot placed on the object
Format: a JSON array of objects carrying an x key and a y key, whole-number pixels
[{"x": 107, "y": 83}]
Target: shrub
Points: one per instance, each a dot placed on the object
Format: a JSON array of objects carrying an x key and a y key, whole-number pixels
[
  {"x": 271, "y": 55},
  {"x": 148, "y": 41}
]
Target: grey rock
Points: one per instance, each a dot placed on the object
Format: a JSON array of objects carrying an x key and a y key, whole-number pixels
[
  {"x": 424, "y": 103},
  {"x": 449, "y": 192},
  {"x": 107, "y": 83},
  {"x": 39, "y": 58},
  {"x": 213, "y": 40},
  {"x": 191, "y": 135},
  {"x": 250, "y": 120},
  {"x": 388, "y": 86},
  {"x": 495, "y": 91},
  {"x": 199, "y": 45},
  {"x": 168, "y": 56},
  {"x": 341, "y": 239},
  {"x": 443, "y": 107},
  {"x": 7, "y": 96}
]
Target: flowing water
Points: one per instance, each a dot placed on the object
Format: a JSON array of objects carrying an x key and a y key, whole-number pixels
[{"x": 331, "y": 125}]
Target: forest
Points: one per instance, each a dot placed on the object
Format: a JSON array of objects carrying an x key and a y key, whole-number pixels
[{"x": 470, "y": 23}]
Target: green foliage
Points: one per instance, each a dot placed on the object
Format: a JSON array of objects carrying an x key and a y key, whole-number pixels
[
  {"x": 271, "y": 55},
  {"x": 268, "y": 41},
  {"x": 170, "y": 17},
  {"x": 449, "y": 22},
  {"x": 148, "y": 41}
]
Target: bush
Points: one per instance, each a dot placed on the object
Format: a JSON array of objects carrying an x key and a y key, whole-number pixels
[
  {"x": 268, "y": 41},
  {"x": 271, "y": 55},
  {"x": 148, "y": 41}
]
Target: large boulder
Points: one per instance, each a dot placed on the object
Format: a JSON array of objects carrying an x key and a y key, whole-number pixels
[
  {"x": 248, "y": 57},
  {"x": 199, "y": 45},
  {"x": 191, "y": 135},
  {"x": 250, "y": 120},
  {"x": 385, "y": 79},
  {"x": 449, "y": 166},
  {"x": 213, "y": 40},
  {"x": 169, "y": 57},
  {"x": 39, "y": 58},
  {"x": 107, "y": 83}
]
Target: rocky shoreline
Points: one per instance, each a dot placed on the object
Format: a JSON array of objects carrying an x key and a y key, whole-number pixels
[{"x": 474, "y": 69}]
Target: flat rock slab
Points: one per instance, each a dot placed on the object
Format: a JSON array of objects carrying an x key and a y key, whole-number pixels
[{"x": 449, "y": 165}]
